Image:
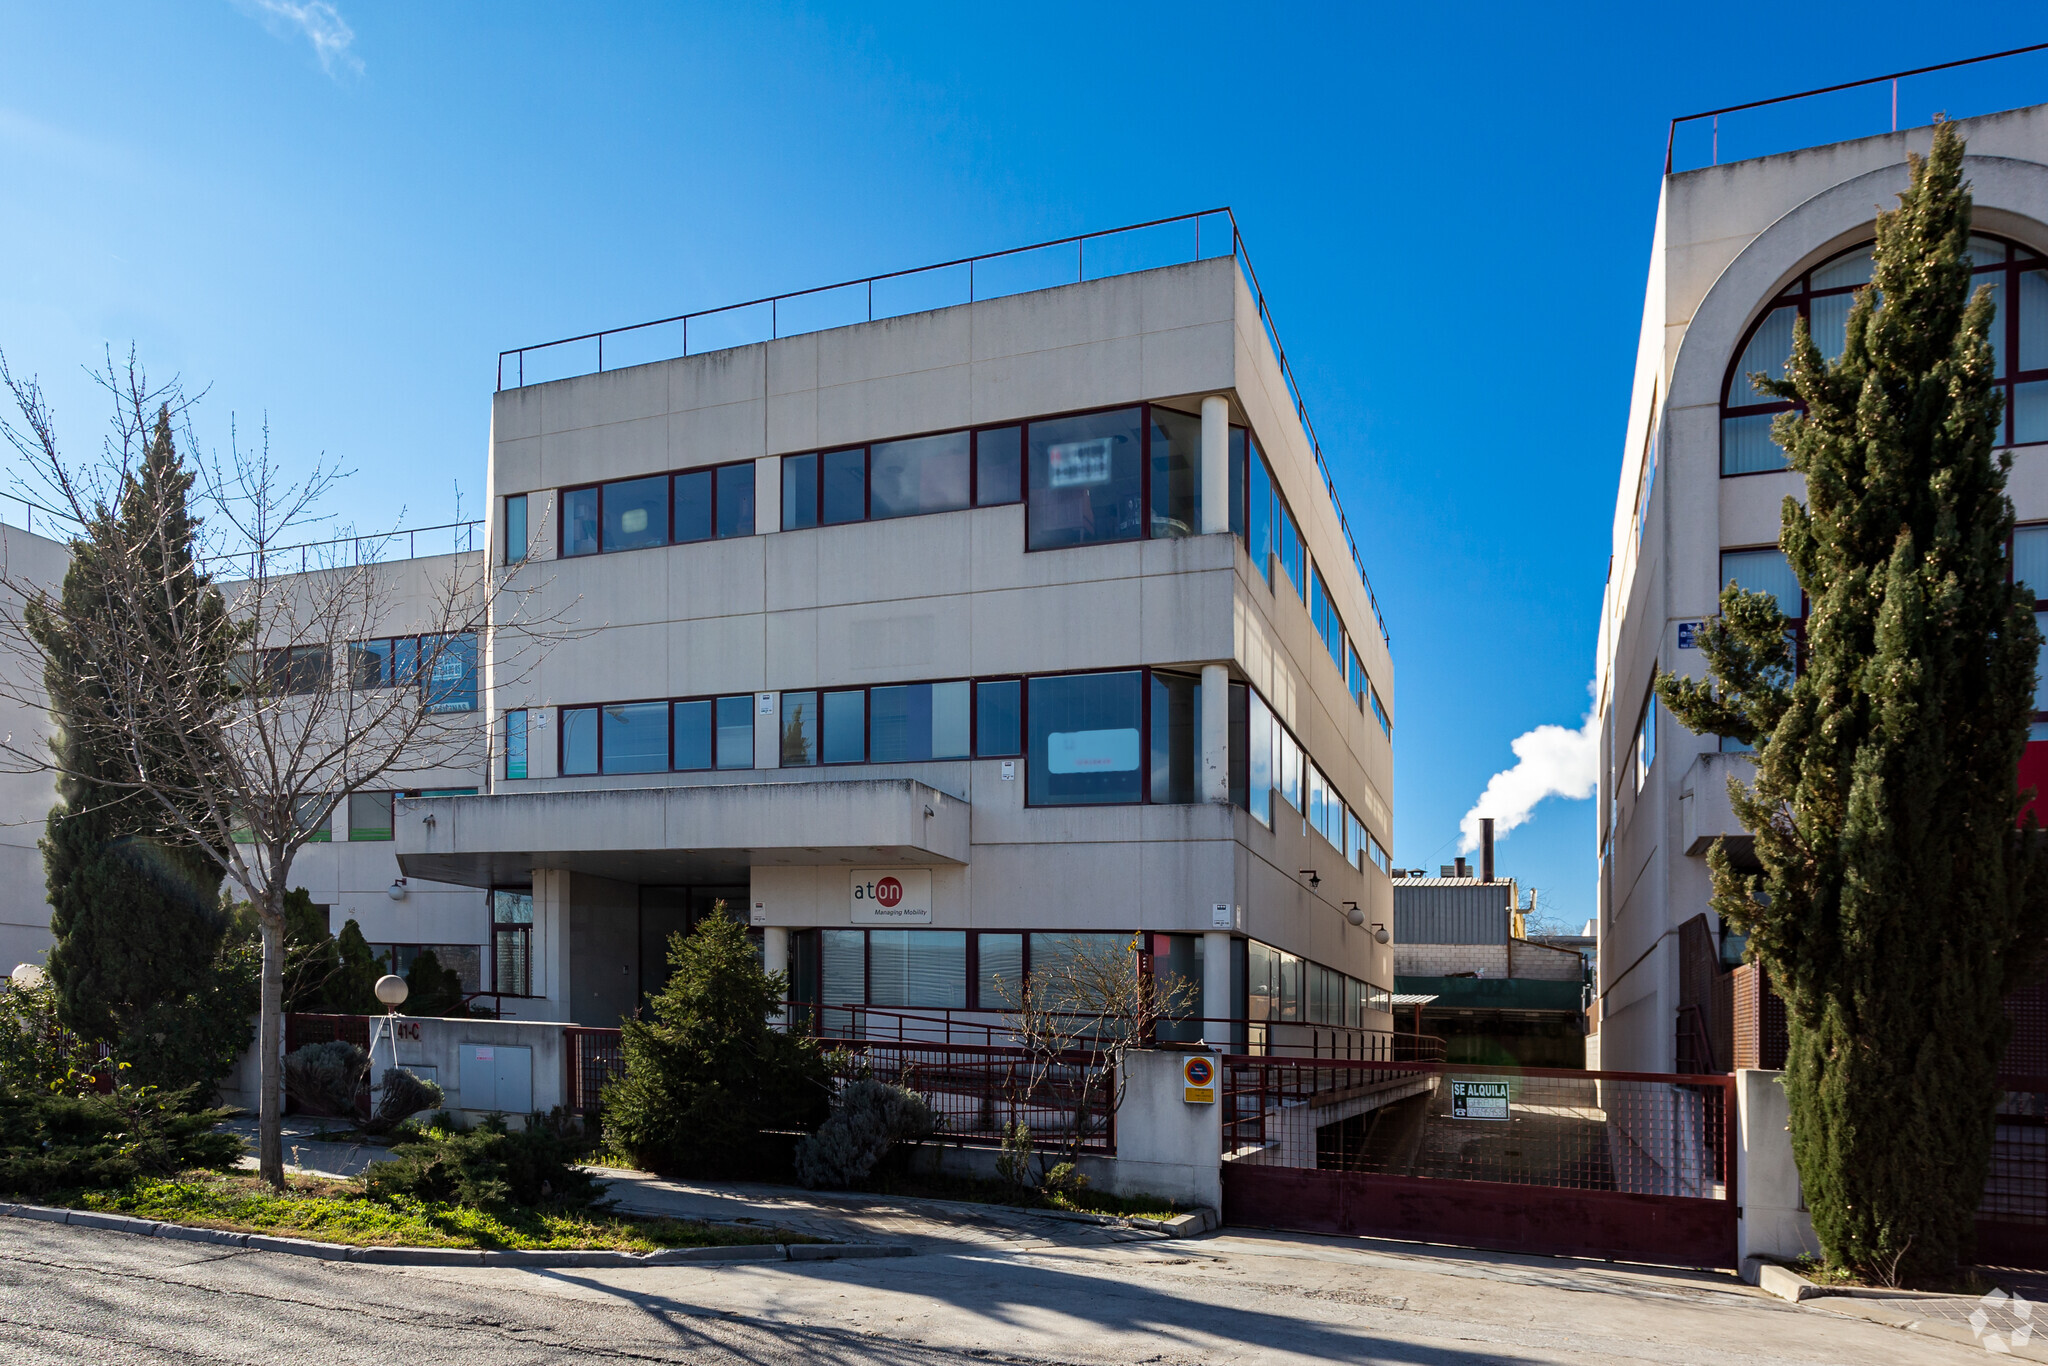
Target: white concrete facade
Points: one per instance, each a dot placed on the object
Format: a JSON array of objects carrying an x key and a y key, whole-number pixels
[
  {"x": 1728, "y": 240},
  {"x": 951, "y": 595}
]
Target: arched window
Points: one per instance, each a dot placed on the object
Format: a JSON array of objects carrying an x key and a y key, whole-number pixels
[{"x": 2018, "y": 279}]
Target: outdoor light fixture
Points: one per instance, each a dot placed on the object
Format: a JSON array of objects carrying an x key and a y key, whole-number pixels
[
  {"x": 396, "y": 891},
  {"x": 1353, "y": 914},
  {"x": 1379, "y": 932},
  {"x": 1310, "y": 874}
]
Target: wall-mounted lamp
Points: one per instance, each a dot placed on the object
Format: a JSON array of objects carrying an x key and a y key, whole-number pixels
[
  {"x": 1379, "y": 932},
  {"x": 396, "y": 891},
  {"x": 429, "y": 819},
  {"x": 1353, "y": 914},
  {"x": 929, "y": 812},
  {"x": 1310, "y": 874}
]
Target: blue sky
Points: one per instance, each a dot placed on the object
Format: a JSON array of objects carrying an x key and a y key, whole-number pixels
[{"x": 337, "y": 215}]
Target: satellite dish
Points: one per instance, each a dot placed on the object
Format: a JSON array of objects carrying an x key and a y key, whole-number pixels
[{"x": 392, "y": 990}]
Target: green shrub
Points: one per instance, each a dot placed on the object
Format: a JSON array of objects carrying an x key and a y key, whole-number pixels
[
  {"x": 491, "y": 1167},
  {"x": 870, "y": 1118},
  {"x": 402, "y": 1096},
  {"x": 707, "y": 1075},
  {"x": 325, "y": 1077},
  {"x": 71, "y": 1138}
]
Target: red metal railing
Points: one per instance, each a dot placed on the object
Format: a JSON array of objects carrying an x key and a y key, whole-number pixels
[
  {"x": 981, "y": 1094},
  {"x": 860, "y": 307}
]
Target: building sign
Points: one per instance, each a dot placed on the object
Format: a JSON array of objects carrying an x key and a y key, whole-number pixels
[
  {"x": 892, "y": 896},
  {"x": 1073, "y": 464},
  {"x": 1689, "y": 634},
  {"x": 1092, "y": 751},
  {"x": 760, "y": 914},
  {"x": 1479, "y": 1100},
  {"x": 1223, "y": 916},
  {"x": 1198, "y": 1080}
]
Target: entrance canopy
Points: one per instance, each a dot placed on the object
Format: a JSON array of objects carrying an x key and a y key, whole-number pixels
[{"x": 676, "y": 835}]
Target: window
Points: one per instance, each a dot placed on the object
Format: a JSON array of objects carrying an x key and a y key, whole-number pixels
[
  {"x": 315, "y": 817},
  {"x": 634, "y": 737},
  {"x": 998, "y": 466},
  {"x": 843, "y": 486},
  {"x": 517, "y": 544},
  {"x": 998, "y": 718},
  {"x": 735, "y": 717},
  {"x": 923, "y": 474},
  {"x": 1176, "y": 474},
  {"x": 1084, "y": 733},
  {"x": 799, "y": 492},
  {"x": 2018, "y": 280},
  {"x": 579, "y": 741},
  {"x": 1259, "y": 513},
  {"x": 1356, "y": 678},
  {"x": 1240, "y": 441},
  {"x": 799, "y": 729},
  {"x": 1293, "y": 554},
  {"x": 515, "y": 743},
  {"x": 370, "y": 664},
  {"x": 1085, "y": 479},
  {"x": 2029, "y": 561},
  {"x": 909, "y": 722},
  {"x": 845, "y": 727},
  {"x": 1646, "y": 740},
  {"x": 659, "y": 509},
  {"x": 1050, "y": 952},
  {"x": 1379, "y": 712},
  {"x": 295, "y": 669},
  {"x": 1330, "y": 626},
  {"x": 1765, "y": 571},
  {"x": 1176, "y": 738},
  {"x": 1260, "y": 751},
  {"x": 369, "y": 815},
  {"x": 909, "y": 968},
  {"x": 512, "y": 941},
  {"x": 999, "y": 969},
  {"x": 448, "y": 672}
]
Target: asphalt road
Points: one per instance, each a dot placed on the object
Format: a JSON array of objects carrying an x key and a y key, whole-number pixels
[{"x": 82, "y": 1295}]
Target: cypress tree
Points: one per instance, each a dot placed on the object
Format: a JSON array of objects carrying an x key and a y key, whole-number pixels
[
  {"x": 1897, "y": 902},
  {"x": 141, "y": 958}
]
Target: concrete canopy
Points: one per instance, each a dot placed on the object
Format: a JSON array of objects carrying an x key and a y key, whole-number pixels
[{"x": 670, "y": 835}]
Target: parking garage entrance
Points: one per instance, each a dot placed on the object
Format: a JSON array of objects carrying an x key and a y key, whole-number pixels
[{"x": 1620, "y": 1165}]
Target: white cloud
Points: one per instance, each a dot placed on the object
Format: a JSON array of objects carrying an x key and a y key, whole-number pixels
[
  {"x": 1550, "y": 761},
  {"x": 319, "y": 22}
]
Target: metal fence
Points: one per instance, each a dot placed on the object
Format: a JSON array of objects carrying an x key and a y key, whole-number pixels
[
  {"x": 1188, "y": 237},
  {"x": 345, "y": 551},
  {"x": 1598, "y": 1131},
  {"x": 981, "y": 1094},
  {"x": 595, "y": 1057}
]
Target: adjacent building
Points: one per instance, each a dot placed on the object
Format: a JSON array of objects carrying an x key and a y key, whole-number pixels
[{"x": 1738, "y": 253}]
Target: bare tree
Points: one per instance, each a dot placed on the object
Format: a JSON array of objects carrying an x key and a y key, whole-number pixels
[
  {"x": 245, "y": 702},
  {"x": 1079, "y": 1013}
]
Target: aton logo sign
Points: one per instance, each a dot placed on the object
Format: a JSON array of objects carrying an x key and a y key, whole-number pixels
[{"x": 892, "y": 896}]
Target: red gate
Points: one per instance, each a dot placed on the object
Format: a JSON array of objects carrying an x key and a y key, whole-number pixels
[{"x": 1625, "y": 1165}]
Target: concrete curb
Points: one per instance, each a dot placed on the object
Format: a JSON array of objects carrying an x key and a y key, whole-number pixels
[
  {"x": 454, "y": 1256},
  {"x": 1782, "y": 1281}
]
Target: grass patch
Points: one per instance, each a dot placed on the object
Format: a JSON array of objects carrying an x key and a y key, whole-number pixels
[
  {"x": 986, "y": 1191},
  {"x": 336, "y": 1211},
  {"x": 1964, "y": 1281}
]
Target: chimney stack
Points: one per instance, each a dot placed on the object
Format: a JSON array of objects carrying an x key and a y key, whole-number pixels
[
  {"x": 1486, "y": 848},
  {"x": 1463, "y": 868}
]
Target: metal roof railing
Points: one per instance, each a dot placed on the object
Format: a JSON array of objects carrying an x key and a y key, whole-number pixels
[
  {"x": 1061, "y": 261},
  {"x": 1671, "y": 139},
  {"x": 462, "y": 536}
]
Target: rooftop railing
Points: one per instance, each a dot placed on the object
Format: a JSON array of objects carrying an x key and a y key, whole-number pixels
[
  {"x": 1188, "y": 237},
  {"x": 1848, "y": 114},
  {"x": 447, "y": 538}
]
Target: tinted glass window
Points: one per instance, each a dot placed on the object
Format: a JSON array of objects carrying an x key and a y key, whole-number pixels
[
  {"x": 579, "y": 522},
  {"x": 693, "y": 506},
  {"x": 917, "y": 721},
  {"x": 515, "y": 744},
  {"x": 450, "y": 669},
  {"x": 844, "y": 736},
  {"x": 1086, "y": 480},
  {"x": 369, "y": 664},
  {"x": 1259, "y": 514},
  {"x": 369, "y": 815},
  {"x": 736, "y": 500},
  {"x": 927, "y": 474},
  {"x": 636, "y": 513},
  {"x": 1176, "y": 473},
  {"x": 845, "y": 475},
  {"x": 636, "y": 737},
  {"x": 516, "y": 545},
  {"x": 1239, "y": 438},
  {"x": 799, "y": 491},
  {"x": 999, "y": 466},
  {"x": 736, "y": 732},
  {"x": 579, "y": 740},
  {"x": 693, "y": 735},
  {"x": 799, "y": 729},
  {"x": 1086, "y": 746},
  {"x": 1176, "y": 738},
  {"x": 998, "y": 718},
  {"x": 1000, "y": 969},
  {"x": 917, "y": 968}
]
